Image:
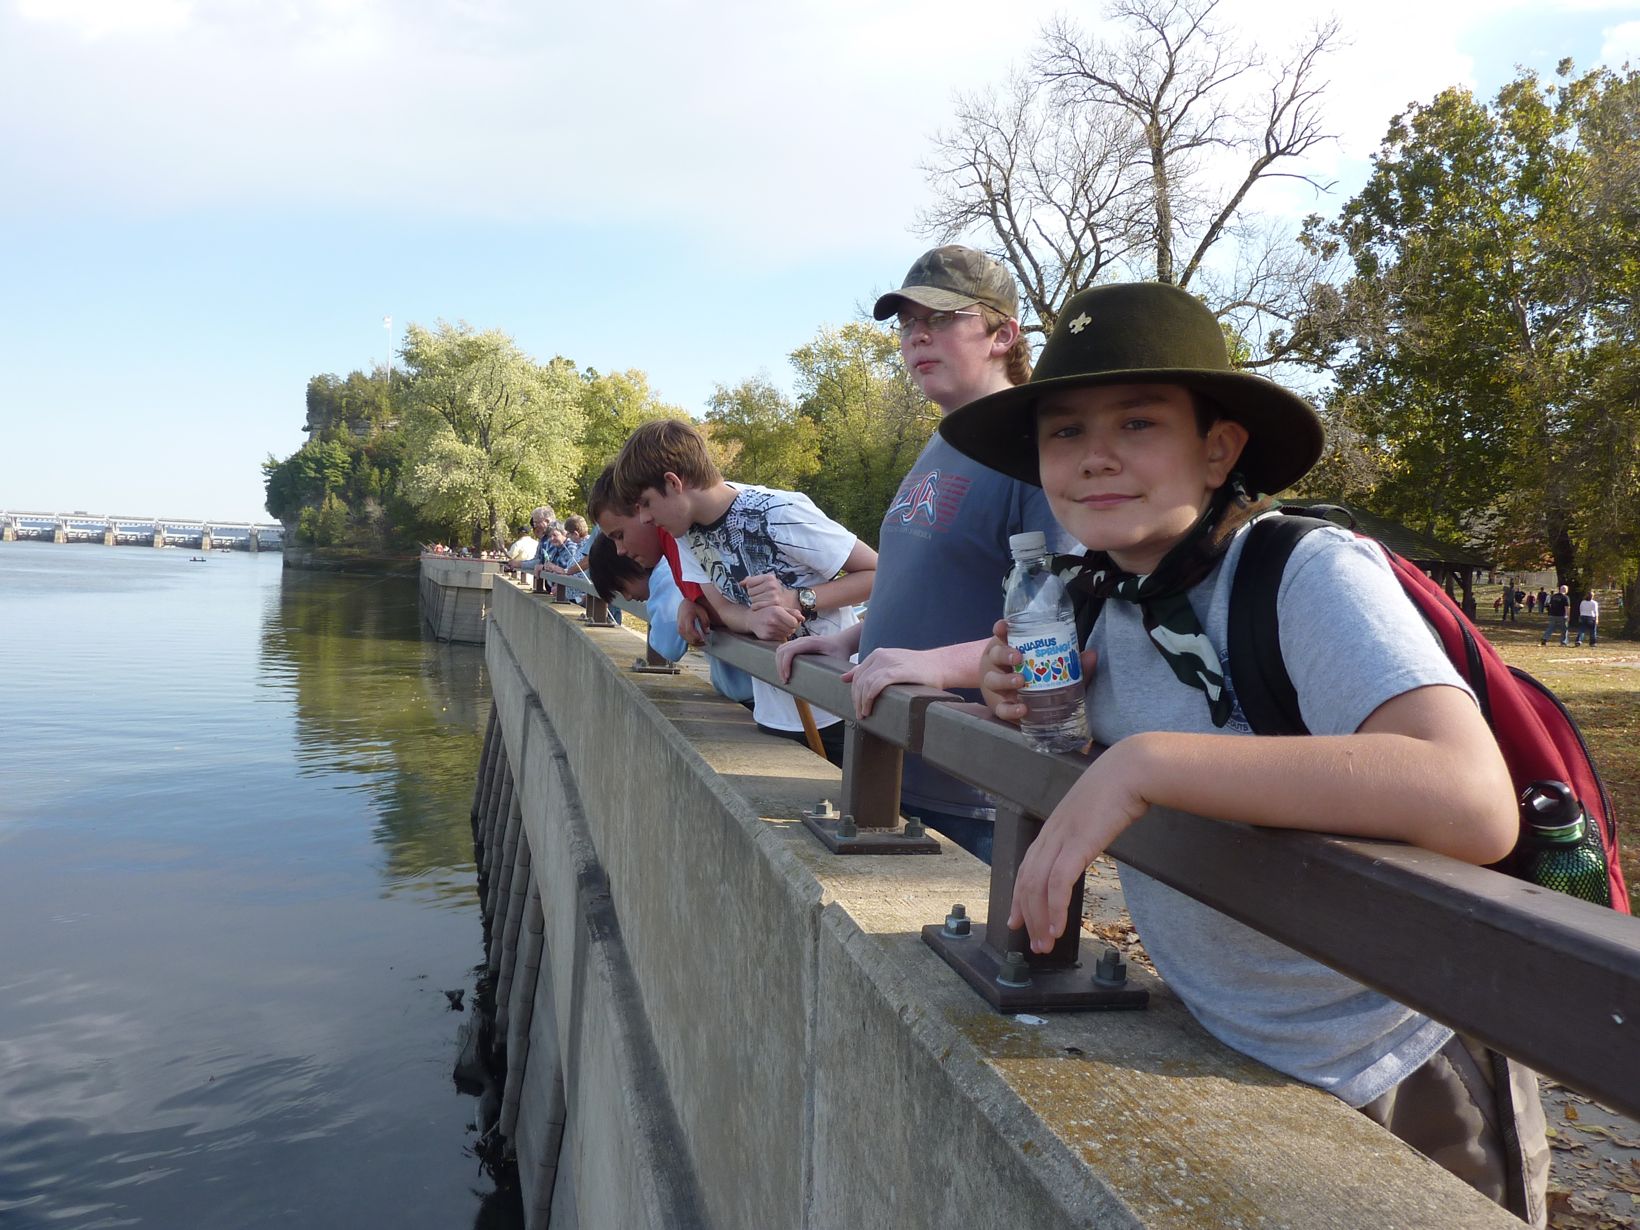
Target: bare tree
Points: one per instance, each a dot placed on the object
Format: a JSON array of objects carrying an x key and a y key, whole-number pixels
[
  {"x": 1137, "y": 155},
  {"x": 1056, "y": 197}
]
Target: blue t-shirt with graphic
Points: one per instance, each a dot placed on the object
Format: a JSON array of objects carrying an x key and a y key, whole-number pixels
[{"x": 942, "y": 556}]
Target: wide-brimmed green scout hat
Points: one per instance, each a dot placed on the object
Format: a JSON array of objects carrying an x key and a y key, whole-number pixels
[
  {"x": 952, "y": 277},
  {"x": 1142, "y": 333}
]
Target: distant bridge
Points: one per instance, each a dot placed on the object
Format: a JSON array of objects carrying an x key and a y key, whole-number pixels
[{"x": 142, "y": 531}]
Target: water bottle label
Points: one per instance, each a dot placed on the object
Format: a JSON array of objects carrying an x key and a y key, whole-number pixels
[{"x": 1050, "y": 661}]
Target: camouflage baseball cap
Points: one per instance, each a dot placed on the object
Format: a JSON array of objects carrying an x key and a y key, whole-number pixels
[{"x": 953, "y": 277}]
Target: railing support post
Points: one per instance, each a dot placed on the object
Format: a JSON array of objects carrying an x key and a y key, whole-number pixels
[
  {"x": 654, "y": 662},
  {"x": 870, "y": 820},
  {"x": 1002, "y": 968}
]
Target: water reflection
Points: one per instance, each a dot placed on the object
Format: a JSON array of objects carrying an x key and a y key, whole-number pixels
[
  {"x": 235, "y": 877},
  {"x": 377, "y": 698}
]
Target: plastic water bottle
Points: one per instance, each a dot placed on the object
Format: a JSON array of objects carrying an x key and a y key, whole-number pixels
[
  {"x": 1562, "y": 853},
  {"x": 1042, "y": 627}
]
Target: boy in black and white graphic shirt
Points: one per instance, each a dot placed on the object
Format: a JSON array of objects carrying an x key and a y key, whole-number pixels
[{"x": 768, "y": 560}]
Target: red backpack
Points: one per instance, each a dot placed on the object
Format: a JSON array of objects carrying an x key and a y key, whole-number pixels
[{"x": 1538, "y": 738}]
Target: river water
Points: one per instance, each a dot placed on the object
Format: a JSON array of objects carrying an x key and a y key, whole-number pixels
[{"x": 236, "y": 879}]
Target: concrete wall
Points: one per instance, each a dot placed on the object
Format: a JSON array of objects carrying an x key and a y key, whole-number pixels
[
  {"x": 726, "y": 1026},
  {"x": 455, "y": 596}
]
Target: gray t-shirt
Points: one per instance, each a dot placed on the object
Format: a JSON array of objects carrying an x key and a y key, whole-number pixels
[
  {"x": 1351, "y": 641},
  {"x": 942, "y": 556}
]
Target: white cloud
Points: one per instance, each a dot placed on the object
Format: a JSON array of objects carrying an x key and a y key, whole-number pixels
[
  {"x": 744, "y": 117},
  {"x": 99, "y": 18},
  {"x": 1621, "y": 43},
  {"x": 739, "y": 119}
]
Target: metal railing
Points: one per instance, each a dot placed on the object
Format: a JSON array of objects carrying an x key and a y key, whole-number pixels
[{"x": 1548, "y": 979}]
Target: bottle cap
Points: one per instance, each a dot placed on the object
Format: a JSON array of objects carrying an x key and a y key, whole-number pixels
[
  {"x": 1550, "y": 805},
  {"x": 1028, "y": 545}
]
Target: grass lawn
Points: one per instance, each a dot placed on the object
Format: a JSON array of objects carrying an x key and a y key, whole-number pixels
[{"x": 1601, "y": 688}]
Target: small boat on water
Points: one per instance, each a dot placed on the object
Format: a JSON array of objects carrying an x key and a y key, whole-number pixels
[{"x": 198, "y": 559}]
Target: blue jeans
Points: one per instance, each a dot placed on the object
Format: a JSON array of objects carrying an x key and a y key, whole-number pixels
[
  {"x": 1585, "y": 623},
  {"x": 1557, "y": 623},
  {"x": 972, "y": 833}
]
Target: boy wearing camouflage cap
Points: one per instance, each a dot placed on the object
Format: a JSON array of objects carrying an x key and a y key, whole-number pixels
[{"x": 943, "y": 545}]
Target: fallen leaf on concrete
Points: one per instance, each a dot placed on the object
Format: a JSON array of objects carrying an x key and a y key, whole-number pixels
[
  {"x": 1600, "y": 1129},
  {"x": 1571, "y": 1113}
]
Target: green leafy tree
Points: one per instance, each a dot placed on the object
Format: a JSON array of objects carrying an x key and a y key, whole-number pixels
[
  {"x": 761, "y": 436},
  {"x": 614, "y": 406},
  {"x": 353, "y": 453},
  {"x": 872, "y": 420},
  {"x": 1490, "y": 307},
  {"x": 489, "y": 432}
]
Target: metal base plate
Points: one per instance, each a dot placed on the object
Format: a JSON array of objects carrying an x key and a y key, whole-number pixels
[
  {"x": 598, "y": 623},
  {"x": 643, "y": 668},
  {"x": 868, "y": 841},
  {"x": 1065, "y": 990}
]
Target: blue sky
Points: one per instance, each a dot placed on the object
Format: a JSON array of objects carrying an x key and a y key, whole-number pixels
[{"x": 206, "y": 202}]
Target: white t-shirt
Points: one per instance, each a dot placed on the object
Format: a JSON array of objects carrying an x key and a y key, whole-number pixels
[
  {"x": 524, "y": 549},
  {"x": 781, "y": 532},
  {"x": 1589, "y": 609}
]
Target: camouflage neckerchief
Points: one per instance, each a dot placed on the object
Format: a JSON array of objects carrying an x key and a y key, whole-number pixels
[{"x": 1162, "y": 596}]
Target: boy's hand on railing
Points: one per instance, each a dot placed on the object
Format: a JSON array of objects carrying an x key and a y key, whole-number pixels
[
  {"x": 693, "y": 623},
  {"x": 1107, "y": 798},
  {"x": 882, "y": 667},
  {"x": 774, "y": 623},
  {"x": 784, "y": 655}
]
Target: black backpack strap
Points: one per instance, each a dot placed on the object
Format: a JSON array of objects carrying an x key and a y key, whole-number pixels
[{"x": 1258, "y": 674}]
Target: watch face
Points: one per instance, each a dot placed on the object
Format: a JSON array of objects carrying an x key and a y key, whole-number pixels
[{"x": 805, "y": 599}]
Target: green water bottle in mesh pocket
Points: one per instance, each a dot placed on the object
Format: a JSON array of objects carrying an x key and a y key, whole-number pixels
[{"x": 1563, "y": 854}]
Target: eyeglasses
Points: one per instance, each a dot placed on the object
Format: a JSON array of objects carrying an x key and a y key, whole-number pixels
[{"x": 934, "y": 322}]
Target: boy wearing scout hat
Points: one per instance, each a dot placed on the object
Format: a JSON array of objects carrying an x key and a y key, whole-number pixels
[
  {"x": 943, "y": 544},
  {"x": 1149, "y": 447}
]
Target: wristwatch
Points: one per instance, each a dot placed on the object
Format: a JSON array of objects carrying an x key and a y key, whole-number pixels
[{"x": 807, "y": 604}]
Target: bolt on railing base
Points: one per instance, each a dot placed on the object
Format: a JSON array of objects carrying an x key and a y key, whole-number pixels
[
  {"x": 836, "y": 837},
  {"x": 1066, "y": 989},
  {"x": 841, "y": 835}
]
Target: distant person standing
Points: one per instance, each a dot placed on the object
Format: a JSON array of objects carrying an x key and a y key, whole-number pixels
[
  {"x": 521, "y": 552},
  {"x": 541, "y": 521},
  {"x": 1543, "y": 601},
  {"x": 1588, "y": 619},
  {"x": 1509, "y": 603},
  {"x": 1559, "y": 605}
]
